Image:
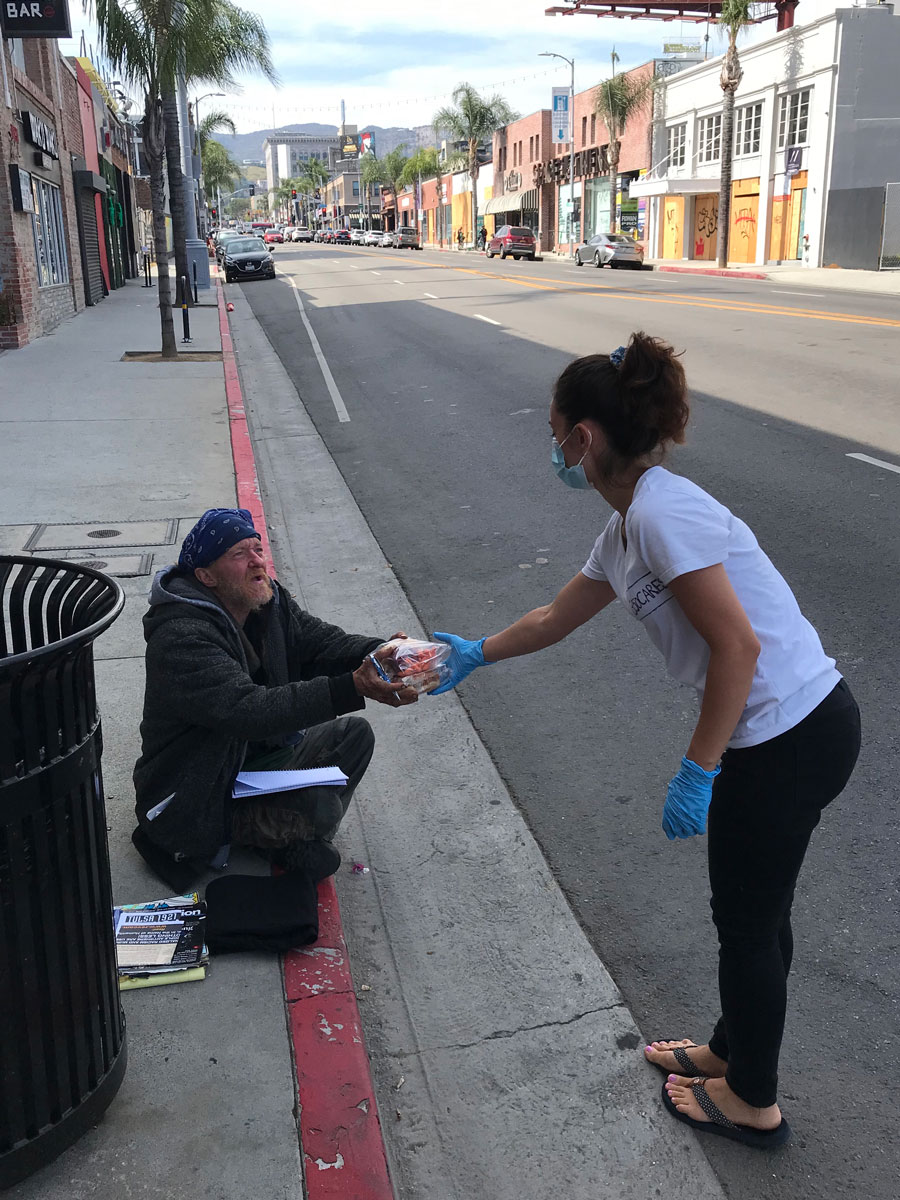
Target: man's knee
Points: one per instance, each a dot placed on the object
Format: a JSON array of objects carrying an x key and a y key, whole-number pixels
[{"x": 357, "y": 742}]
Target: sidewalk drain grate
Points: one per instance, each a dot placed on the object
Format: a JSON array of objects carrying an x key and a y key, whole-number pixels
[
  {"x": 84, "y": 535},
  {"x": 123, "y": 566}
]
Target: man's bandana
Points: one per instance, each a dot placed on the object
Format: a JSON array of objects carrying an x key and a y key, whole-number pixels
[{"x": 217, "y": 531}]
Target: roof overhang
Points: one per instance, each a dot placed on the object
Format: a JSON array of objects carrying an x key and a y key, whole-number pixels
[
  {"x": 508, "y": 202},
  {"x": 672, "y": 186}
]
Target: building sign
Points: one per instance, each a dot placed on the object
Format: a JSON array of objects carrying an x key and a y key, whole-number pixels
[
  {"x": 793, "y": 158},
  {"x": 366, "y": 144},
  {"x": 588, "y": 163},
  {"x": 35, "y": 19},
  {"x": 39, "y": 133},
  {"x": 513, "y": 182},
  {"x": 20, "y": 188},
  {"x": 681, "y": 47},
  {"x": 560, "y": 115},
  {"x": 350, "y": 145}
]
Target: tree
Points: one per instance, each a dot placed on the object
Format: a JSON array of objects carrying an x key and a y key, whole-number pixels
[
  {"x": 736, "y": 15},
  {"x": 146, "y": 42},
  {"x": 220, "y": 171},
  {"x": 473, "y": 119},
  {"x": 313, "y": 176},
  {"x": 616, "y": 101},
  {"x": 424, "y": 164},
  {"x": 216, "y": 121}
]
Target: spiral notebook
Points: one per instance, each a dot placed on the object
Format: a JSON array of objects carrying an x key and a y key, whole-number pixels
[{"x": 262, "y": 783}]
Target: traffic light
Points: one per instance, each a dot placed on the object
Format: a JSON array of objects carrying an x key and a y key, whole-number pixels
[
  {"x": 252, "y": 189},
  {"x": 214, "y": 213},
  {"x": 293, "y": 193}
]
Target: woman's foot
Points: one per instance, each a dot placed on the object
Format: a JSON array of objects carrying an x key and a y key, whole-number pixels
[
  {"x": 707, "y": 1063},
  {"x": 732, "y": 1106}
]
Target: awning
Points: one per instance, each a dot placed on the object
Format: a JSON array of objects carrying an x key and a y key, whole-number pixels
[
  {"x": 87, "y": 179},
  {"x": 673, "y": 185},
  {"x": 509, "y": 202}
]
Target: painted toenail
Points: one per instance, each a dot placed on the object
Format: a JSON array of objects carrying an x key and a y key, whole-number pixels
[
  {"x": 648, "y": 1049},
  {"x": 672, "y": 1078}
]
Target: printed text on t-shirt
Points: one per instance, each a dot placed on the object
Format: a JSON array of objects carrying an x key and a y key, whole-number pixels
[{"x": 646, "y": 595}]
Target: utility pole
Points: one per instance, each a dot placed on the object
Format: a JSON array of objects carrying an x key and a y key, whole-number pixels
[
  {"x": 197, "y": 253},
  {"x": 571, "y": 62}
]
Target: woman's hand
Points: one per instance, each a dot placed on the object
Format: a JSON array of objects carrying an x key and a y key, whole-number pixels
[
  {"x": 688, "y": 800},
  {"x": 464, "y": 658}
]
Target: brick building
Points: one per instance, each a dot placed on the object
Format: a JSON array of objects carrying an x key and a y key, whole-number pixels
[{"x": 40, "y": 264}]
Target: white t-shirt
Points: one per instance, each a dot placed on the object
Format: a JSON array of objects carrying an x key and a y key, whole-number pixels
[{"x": 673, "y": 527}]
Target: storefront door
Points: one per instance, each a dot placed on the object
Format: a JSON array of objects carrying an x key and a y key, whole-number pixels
[
  {"x": 744, "y": 212},
  {"x": 673, "y": 226},
  {"x": 706, "y": 226}
]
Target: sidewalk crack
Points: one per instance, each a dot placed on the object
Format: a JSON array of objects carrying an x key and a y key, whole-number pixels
[{"x": 500, "y": 1034}]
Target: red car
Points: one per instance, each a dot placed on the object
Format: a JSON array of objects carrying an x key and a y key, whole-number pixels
[
  {"x": 515, "y": 240},
  {"x": 272, "y": 235}
]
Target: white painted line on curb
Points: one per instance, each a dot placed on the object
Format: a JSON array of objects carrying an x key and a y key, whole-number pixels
[
  {"x": 812, "y": 295},
  {"x": 429, "y": 295},
  {"x": 876, "y": 462},
  {"x": 490, "y": 320},
  {"x": 336, "y": 399}
]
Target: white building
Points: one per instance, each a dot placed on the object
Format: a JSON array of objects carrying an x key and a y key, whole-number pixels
[
  {"x": 286, "y": 154},
  {"x": 816, "y": 139}
]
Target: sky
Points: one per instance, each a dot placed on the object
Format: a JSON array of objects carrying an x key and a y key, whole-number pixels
[{"x": 393, "y": 70}]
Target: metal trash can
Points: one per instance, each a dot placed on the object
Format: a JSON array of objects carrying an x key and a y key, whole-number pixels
[{"x": 62, "y": 1033}]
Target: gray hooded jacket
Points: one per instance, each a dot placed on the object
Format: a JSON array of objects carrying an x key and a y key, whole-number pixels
[{"x": 201, "y": 706}]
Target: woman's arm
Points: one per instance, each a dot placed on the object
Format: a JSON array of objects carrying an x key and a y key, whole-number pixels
[
  {"x": 710, "y": 604},
  {"x": 579, "y": 600}
]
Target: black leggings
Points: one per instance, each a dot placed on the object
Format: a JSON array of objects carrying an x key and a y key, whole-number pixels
[{"x": 766, "y": 803}]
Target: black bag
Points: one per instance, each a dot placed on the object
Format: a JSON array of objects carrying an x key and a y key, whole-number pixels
[{"x": 261, "y": 912}]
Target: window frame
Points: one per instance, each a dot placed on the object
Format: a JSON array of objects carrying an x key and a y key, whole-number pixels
[
  {"x": 709, "y": 139},
  {"x": 48, "y": 231},
  {"x": 744, "y": 127},
  {"x": 789, "y": 121},
  {"x": 676, "y": 144}
]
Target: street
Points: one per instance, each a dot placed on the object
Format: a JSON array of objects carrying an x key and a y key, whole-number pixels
[{"x": 438, "y": 370}]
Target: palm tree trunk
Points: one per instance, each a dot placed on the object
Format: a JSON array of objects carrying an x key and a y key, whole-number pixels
[
  {"x": 153, "y": 148},
  {"x": 473, "y": 177},
  {"x": 613, "y": 181},
  {"x": 176, "y": 190},
  {"x": 725, "y": 152}
]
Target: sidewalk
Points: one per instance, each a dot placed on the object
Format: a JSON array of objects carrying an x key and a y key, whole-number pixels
[
  {"x": 506, "y": 1064},
  {"x": 790, "y": 275}
]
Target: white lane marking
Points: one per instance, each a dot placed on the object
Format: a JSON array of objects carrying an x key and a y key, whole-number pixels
[
  {"x": 813, "y": 295},
  {"x": 336, "y": 399},
  {"x": 480, "y": 317},
  {"x": 337, "y": 260},
  {"x": 354, "y": 266},
  {"x": 876, "y": 462},
  {"x": 400, "y": 281},
  {"x": 429, "y": 295},
  {"x": 376, "y": 272}
]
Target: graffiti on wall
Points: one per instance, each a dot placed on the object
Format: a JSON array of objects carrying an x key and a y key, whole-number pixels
[
  {"x": 745, "y": 223},
  {"x": 708, "y": 220}
]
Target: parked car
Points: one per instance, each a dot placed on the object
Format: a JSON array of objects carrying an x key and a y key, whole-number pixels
[
  {"x": 407, "y": 238},
  {"x": 516, "y": 241},
  {"x": 612, "y": 249},
  {"x": 223, "y": 237},
  {"x": 273, "y": 236},
  {"x": 341, "y": 237},
  {"x": 373, "y": 237},
  {"x": 356, "y": 236},
  {"x": 302, "y": 234},
  {"x": 247, "y": 258},
  {"x": 387, "y": 238}
]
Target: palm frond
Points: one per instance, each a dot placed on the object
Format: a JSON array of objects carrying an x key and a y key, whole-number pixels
[{"x": 620, "y": 98}]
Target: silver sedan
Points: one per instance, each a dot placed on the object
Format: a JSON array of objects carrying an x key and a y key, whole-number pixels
[{"x": 610, "y": 249}]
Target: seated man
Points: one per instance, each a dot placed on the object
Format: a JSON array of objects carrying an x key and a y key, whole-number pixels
[{"x": 240, "y": 677}]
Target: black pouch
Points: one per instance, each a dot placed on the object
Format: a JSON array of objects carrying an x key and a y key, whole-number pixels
[{"x": 261, "y": 912}]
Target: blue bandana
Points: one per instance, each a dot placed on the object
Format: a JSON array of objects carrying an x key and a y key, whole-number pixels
[{"x": 217, "y": 531}]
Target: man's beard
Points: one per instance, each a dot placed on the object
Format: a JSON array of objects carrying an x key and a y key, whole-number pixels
[{"x": 247, "y": 595}]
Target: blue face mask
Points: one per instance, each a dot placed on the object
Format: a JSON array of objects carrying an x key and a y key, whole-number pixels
[{"x": 573, "y": 477}]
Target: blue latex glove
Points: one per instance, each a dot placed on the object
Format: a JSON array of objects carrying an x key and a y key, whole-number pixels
[
  {"x": 464, "y": 658},
  {"x": 688, "y": 800}
]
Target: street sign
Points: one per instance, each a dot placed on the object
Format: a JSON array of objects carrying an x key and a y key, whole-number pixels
[
  {"x": 560, "y": 115},
  {"x": 35, "y": 19},
  {"x": 793, "y": 158}
]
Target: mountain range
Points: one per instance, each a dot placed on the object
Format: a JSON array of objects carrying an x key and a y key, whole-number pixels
[{"x": 250, "y": 145}]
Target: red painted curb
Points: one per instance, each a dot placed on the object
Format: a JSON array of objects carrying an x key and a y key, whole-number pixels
[
  {"x": 713, "y": 271},
  {"x": 340, "y": 1131}
]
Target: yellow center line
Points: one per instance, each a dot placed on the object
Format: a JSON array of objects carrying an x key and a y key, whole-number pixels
[{"x": 613, "y": 291}]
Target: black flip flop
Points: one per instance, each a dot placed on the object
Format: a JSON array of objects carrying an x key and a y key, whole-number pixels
[
  {"x": 718, "y": 1123},
  {"x": 684, "y": 1060}
]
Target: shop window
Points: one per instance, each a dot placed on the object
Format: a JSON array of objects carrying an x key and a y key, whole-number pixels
[
  {"x": 710, "y": 139},
  {"x": 747, "y": 126},
  {"x": 356, "y": 188},
  {"x": 793, "y": 119},
  {"x": 17, "y": 53},
  {"x": 676, "y": 138},
  {"x": 49, "y": 237}
]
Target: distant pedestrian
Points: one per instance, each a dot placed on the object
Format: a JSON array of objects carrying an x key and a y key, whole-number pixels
[
  {"x": 482, "y": 238},
  {"x": 460, "y": 237},
  {"x": 778, "y": 732}
]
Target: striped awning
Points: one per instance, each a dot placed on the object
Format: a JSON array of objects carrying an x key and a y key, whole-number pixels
[{"x": 508, "y": 202}]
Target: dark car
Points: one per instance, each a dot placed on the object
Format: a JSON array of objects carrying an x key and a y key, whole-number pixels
[
  {"x": 512, "y": 240},
  {"x": 222, "y": 238},
  {"x": 407, "y": 238},
  {"x": 247, "y": 258},
  {"x": 613, "y": 249},
  {"x": 341, "y": 237}
]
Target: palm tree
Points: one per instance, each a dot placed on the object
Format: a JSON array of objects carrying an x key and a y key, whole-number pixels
[
  {"x": 312, "y": 177},
  {"x": 424, "y": 164},
  {"x": 370, "y": 171},
  {"x": 147, "y": 41},
  {"x": 216, "y": 121},
  {"x": 473, "y": 119},
  {"x": 735, "y": 16},
  {"x": 616, "y": 101},
  {"x": 220, "y": 171}
]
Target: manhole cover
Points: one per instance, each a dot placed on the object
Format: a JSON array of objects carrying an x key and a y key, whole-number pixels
[
  {"x": 103, "y": 533},
  {"x": 84, "y": 535},
  {"x": 97, "y": 563}
]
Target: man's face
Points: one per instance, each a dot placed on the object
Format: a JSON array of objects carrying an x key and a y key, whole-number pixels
[{"x": 239, "y": 576}]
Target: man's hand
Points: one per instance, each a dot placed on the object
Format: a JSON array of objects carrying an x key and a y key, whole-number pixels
[{"x": 369, "y": 683}]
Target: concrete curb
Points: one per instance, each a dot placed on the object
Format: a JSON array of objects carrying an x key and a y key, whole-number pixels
[
  {"x": 340, "y": 1131},
  {"x": 730, "y": 274}
]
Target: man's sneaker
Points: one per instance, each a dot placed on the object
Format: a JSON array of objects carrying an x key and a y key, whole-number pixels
[{"x": 316, "y": 858}]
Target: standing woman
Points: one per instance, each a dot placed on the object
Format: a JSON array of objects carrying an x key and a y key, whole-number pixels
[{"x": 778, "y": 733}]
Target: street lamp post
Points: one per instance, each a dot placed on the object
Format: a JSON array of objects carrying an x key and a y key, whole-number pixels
[
  {"x": 571, "y": 62},
  {"x": 198, "y": 147}
]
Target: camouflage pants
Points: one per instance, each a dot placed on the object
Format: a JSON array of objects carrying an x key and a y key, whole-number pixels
[{"x": 308, "y": 814}]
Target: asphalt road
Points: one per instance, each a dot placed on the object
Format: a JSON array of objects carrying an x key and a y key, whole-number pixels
[{"x": 443, "y": 364}]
